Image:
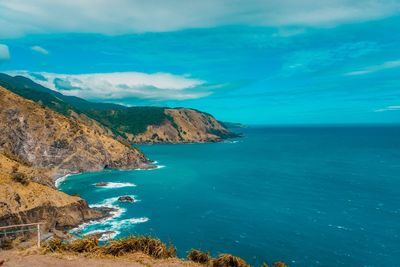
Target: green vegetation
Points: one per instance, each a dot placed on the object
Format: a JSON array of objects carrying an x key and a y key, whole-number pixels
[
  {"x": 35, "y": 92},
  {"x": 130, "y": 120},
  {"x": 119, "y": 119}
]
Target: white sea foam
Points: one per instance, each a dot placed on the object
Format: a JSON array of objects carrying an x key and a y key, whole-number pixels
[
  {"x": 112, "y": 224},
  {"x": 231, "y": 142},
  {"x": 111, "y": 201},
  {"x": 60, "y": 180},
  {"x": 115, "y": 213},
  {"x": 119, "y": 224},
  {"x": 105, "y": 235},
  {"x": 116, "y": 185},
  {"x": 156, "y": 168}
]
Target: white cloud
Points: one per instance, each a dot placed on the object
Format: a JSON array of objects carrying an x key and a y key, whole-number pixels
[
  {"x": 375, "y": 68},
  {"x": 40, "y": 50},
  {"x": 311, "y": 60},
  {"x": 4, "y": 53},
  {"x": 117, "y": 86},
  {"x": 20, "y": 17},
  {"x": 389, "y": 108}
]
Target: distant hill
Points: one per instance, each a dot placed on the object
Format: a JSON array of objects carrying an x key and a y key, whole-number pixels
[
  {"x": 136, "y": 124},
  {"x": 233, "y": 125}
]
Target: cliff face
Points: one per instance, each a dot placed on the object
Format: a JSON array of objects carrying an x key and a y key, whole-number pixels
[
  {"x": 183, "y": 126},
  {"x": 22, "y": 200},
  {"x": 38, "y": 144},
  {"x": 45, "y": 139}
]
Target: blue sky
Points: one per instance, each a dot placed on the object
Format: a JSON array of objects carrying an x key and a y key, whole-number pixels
[{"x": 256, "y": 62}]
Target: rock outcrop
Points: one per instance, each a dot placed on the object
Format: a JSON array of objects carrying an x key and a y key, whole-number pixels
[
  {"x": 38, "y": 145},
  {"x": 43, "y": 138},
  {"x": 183, "y": 126}
]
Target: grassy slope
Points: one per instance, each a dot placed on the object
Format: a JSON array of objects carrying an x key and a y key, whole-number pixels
[{"x": 116, "y": 117}]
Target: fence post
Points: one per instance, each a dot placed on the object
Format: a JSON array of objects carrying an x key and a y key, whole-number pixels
[{"x": 38, "y": 235}]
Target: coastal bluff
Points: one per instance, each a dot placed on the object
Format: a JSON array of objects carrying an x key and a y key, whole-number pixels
[{"x": 38, "y": 145}]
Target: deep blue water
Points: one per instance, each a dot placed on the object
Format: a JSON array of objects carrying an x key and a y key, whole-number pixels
[{"x": 312, "y": 196}]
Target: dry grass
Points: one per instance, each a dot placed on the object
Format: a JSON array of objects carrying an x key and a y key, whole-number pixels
[
  {"x": 199, "y": 256},
  {"x": 88, "y": 245},
  {"x": 143, "y": 244},
  {"x": 147, "y": 245},
  {"x": 279, "y": 264},
  {"x": 228, "y": 260}
]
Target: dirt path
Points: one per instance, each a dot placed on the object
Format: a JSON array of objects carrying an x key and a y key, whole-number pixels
[{"x": 35, "y": 259}]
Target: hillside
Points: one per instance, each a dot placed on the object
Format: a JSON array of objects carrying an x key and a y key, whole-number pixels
[
  {"x": 38, "y": 145},
  {"x": 136, "y": 124}
]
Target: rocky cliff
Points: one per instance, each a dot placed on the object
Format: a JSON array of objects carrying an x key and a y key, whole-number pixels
[
  {"x": 45, "y": 139},
  {"x": 183, "y": 125},
  {"x": 37, "y": 145}
]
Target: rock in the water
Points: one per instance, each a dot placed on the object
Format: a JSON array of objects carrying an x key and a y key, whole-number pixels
[
  {"x": 126, "y": 199},
  {"x": 102, "y": 184}
]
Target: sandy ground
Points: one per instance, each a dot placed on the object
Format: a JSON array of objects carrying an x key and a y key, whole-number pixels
[{"x": 35, "y": 259}]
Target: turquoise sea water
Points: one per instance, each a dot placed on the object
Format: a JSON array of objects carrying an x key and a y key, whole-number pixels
[{"x": 312, "y": 196}]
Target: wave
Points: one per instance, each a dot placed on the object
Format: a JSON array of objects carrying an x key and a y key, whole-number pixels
[
  {"x": 112, "y": 225},
  {"x": 112, "y": 201},
  {"x": 60, "y": 180},
  {"x": 105, "y": 235},
  {"x": 157, "y": 167},
  {"x": 231, "y": 141},
  {"x": 127, "y": 222},
  {"x": 116, "y": 185},
  {"x": 152, "y": 169}
]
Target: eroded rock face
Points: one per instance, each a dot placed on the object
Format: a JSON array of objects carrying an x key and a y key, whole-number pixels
[
  {"x": 186, "y": 126},
  {"x": 37, "y": 144},
  {"x": 53, "y": 216},
  {"x": 45, "y": 139}
]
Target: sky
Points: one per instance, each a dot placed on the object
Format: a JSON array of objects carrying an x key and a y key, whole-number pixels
[{"x": 249, "y": 61}]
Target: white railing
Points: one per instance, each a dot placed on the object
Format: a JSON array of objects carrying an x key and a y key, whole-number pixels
[{"x": 4, "y": 229}]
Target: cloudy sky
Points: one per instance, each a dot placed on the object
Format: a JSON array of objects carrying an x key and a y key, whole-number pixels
[{"x": 252, "y": 61}]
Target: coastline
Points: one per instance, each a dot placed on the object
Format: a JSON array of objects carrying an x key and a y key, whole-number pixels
[{"x": 108, "y": 208}]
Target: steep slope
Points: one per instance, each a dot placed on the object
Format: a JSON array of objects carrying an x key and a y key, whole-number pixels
[
  {"x": 25, "y": 201},
  {"x": 137, "y": 124},
  {"x": 183, "y": 126},
  {"x": 46, "y": 139},
  {"x": 37, "y": 145}
]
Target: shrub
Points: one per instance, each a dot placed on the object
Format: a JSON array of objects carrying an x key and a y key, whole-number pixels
[
  {"x": 227, "y": 260},
  {"x": 279, "y": 264},
  {"x": 6, "y": 243},
  {"x": 20, "y": 178},
  {"x": 199, "y": 256},
  {"x": 55, "y": 245},
  {"x": 90, "y": 244},
  {"x": 147, "y": 245}
]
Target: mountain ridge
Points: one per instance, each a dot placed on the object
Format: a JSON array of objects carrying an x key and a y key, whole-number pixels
[{"x": 135, "y": 124}]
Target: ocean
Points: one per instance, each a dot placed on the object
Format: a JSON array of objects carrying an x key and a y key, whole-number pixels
[{"x": 308, "y": 196}]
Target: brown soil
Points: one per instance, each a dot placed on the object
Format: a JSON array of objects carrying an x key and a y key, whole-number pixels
[{"x": 33, "y": 258}]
